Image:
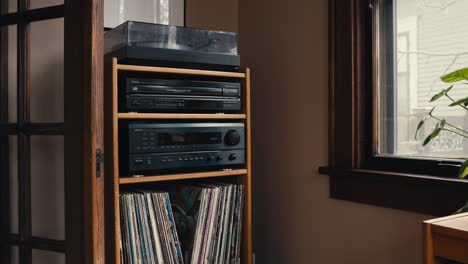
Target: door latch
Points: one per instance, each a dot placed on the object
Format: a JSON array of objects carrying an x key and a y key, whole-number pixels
[{"x": 99, "y": 161}]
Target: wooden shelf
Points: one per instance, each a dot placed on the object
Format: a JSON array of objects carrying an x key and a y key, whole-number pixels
[
  {"x": 186, "y": 176},
  {"x": 179, "y": 116},
  {"x": 124, "y": 67},
  {"x": 114, "y": 182}
]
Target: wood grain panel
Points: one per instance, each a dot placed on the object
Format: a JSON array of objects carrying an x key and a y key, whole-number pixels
[
  {"x": 450, "y": 248},
  {"x": 186, "y": 176},
  {"x": 84, "y": 36},
  {"x": 125, "y": 67},
  {"x": 179, "y": 116},
  {"x": 247, "y": 181}
]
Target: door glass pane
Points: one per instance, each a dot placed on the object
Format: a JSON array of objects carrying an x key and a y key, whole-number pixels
[
  {"x": 44, "y": 3},
  {"x": 10, "y": 7},
  {"x": 46, "y": 257},
  {"x": 9, "y": 254},
  {"x": 47, "y": 70},
  {"x": 417, "y": 42},
  {"x": 13, "y": 183},
  {"x": 10, "y": 33},
  {"x": 47, "y": 59},
  {"x": 47, "y": 183},
  {"x": 14, "y": 257}
]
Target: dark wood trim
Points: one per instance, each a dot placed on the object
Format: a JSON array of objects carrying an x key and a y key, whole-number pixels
[
  {"x": 416, "y": 193},
  {"x": 357, "y": 174},
  {"x": 84, "y": 202},
  {"x": 35, "y": 129},
  {"x": 24, "y": 141},
  {"x": 48, "y": 244},
  {"x": 35, "y": 243},
  {"x": 32, "y": 15},
  {"x": 5, "y": 211}
]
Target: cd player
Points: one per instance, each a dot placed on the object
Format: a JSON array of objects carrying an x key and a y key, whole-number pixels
[{"x": 163, "y": 95}]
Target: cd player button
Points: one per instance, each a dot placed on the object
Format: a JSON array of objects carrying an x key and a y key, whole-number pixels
[
  {"x": 219, "y": 158},
  {"x": 138, "y": 162},
  {"x": 210, "y": 158}
]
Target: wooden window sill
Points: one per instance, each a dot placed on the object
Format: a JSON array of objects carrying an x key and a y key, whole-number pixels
[{"x": 431, "y": 195}]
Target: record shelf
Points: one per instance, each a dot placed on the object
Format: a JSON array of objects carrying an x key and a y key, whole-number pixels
[{"x": 114, "y": 181}]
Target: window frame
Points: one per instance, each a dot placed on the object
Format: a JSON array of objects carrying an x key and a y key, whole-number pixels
[{"x": 414, "y": 184}]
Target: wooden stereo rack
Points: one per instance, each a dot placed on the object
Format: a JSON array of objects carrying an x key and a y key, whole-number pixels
[{"x": 114, "y": 181}]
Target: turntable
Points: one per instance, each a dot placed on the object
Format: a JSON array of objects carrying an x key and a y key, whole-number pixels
[{"x": 155, "y": 44}]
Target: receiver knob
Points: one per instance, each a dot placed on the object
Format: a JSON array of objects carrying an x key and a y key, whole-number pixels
[
  {"x": 232, "y": 138},
  {"x": 233, "y": 156}
]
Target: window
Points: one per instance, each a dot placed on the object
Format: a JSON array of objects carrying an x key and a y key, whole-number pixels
[
  {"x": 418, "y": 41},
  {"x": 386, "y": 57}
]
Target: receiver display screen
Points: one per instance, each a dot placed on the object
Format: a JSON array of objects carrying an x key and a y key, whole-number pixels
[{"x": 169, "y": 139}]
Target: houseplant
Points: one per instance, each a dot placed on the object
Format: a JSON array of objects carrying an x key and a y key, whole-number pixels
[{"x": 453, "y": 78}]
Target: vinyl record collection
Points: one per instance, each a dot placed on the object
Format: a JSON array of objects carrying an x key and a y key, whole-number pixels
[{"x": 197, "y": 224}]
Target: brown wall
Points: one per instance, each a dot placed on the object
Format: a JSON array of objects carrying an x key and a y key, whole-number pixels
[
  {"x": 295, "y": 221},
  {"x": 212, "y": 14}
]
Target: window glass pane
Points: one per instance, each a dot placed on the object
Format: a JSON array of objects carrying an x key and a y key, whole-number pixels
[
  {"x": 417, "y": 42},
  {"x": 47, "y": 187},
  {"x": 46, "y": 257},
  {"x": 46, "y": 74}
]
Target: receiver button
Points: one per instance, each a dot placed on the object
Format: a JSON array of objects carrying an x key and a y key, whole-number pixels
[{"x": 233, "y": 156}]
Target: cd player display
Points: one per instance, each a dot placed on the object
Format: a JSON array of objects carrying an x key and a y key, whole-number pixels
[{"x": 158, "y": 147}]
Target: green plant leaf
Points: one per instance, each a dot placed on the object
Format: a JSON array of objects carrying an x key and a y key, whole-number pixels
[
  {"x": 432, "y": 110},
  {"x": 437, "y": 96},
  {"x": 442, "y": 123},
  {"x": 434, "y": 134},
  {"x": 455, "y": 76},
  {"x": 459, "y": 102},
  {"x": 441, "y": 93},
  {"x": 427, "y": 140},
  {"x": 463, "y": 172},
  {"x": 448, "y": 89},
  {"x": 462, "y": 210},
  {"x": 421, "y": 123}
]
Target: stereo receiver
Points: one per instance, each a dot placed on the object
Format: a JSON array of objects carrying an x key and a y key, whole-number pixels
[
  {"x": 160, "y": 147},
  {"x": 160, "y": 95}
]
